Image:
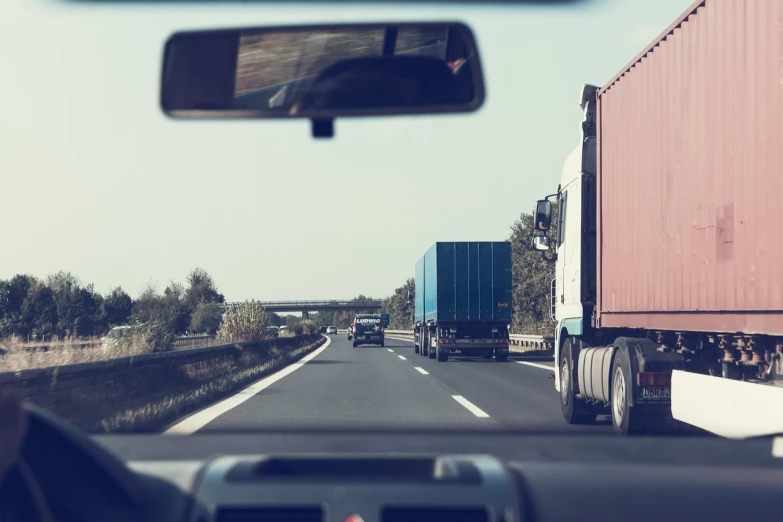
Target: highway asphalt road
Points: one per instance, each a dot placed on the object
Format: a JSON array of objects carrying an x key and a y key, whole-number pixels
[{"x": 375, "y": 387}]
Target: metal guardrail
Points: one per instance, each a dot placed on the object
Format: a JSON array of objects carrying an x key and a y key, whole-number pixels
[
  {"x": 192, "y": 339},
  {"x": 538, "y": 342},
  {"x": 400, "y": 333},
  {"x": 38, "y": 381}
]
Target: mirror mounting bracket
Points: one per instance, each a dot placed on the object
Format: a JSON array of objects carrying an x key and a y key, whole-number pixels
[{"x": 322, "y": 127}]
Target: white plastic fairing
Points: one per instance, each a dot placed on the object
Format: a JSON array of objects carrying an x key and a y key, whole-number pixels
[{"x": 729, "y": 408}]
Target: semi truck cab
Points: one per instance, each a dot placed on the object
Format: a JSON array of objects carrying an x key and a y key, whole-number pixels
[
  {"x": 573, "y": 288},
  {"x": 587, "y": 376}
]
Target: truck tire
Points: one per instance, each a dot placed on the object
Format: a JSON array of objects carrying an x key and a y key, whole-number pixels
[
  {"x": 626, "y": 419},
  {"x": 574, "y": 412},
  {"x": 443, "y": 355},
  {"x": 355, "y": 344},
  {"x": 432, "y": 352},
  {"x": 501, "y": 356},
  {"x": 416, "y": 348},
  {"x": 382, "y": 343}
]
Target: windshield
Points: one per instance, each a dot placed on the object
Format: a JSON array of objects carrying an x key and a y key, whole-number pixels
[{"x": 166, "y": 236}]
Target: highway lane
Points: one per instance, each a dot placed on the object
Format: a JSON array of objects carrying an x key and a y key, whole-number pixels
[
  {"x": 517, "y": 393},
  {"x": 391, "y": 386}
]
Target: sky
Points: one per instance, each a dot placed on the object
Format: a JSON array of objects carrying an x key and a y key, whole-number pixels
[{"x": 95, "y": 180}]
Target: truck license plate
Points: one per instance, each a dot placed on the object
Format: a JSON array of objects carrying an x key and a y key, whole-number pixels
[{"x": 655, "y": 393}]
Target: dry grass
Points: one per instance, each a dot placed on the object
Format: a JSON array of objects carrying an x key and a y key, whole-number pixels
[
  {"x": 21, "y": 355},
  {"x": 150, "y": 398}
]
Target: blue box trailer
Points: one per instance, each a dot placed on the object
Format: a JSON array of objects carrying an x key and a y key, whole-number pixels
[
  {"x": 466, "y": 282},
  {"x": 463, "y": 298}
]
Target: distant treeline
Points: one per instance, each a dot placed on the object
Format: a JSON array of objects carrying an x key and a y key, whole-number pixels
[{"x": 60, "y": 305}]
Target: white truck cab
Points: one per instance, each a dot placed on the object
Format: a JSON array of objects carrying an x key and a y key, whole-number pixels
[{"x": 572, "y": 298}]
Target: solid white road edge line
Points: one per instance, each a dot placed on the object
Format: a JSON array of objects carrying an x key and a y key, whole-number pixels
[
  {"x": 422, "y": 370},
  {"x": 537, "y": 365},
  {"x": 401, "y": 357},
  {"x": 472, "y": 408},
  {"x": 198, "y": 420}
]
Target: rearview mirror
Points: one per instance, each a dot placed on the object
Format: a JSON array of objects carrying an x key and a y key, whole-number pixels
[
  {"x": 322, "y": 72},
  {"x": 543, "y": 215},
  {"x": 540, "y": 243}
]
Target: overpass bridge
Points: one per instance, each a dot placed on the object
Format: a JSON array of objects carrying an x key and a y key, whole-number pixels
[{"x": 315, "y": 306}]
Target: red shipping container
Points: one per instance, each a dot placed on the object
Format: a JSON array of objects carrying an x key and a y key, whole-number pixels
[{"x": 690, "y": 188}]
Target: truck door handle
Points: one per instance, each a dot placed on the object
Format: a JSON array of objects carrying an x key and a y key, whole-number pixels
[{"x": 562, "y": 298}]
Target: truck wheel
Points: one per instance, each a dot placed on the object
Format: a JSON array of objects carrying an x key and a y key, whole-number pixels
[
  {"x": 415, "y": 348},
  {"x": 443, "y": 355},
  {"x": 626, "y": 419},
  {"x": 355, "y": 344},
  {"x": 432, "y": 352},
  {"x": 381, "y": 344},
  {"x": 574, "y": 412},
  {"x": 501, "y": 356}
]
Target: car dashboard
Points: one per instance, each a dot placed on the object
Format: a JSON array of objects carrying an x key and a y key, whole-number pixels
[
  {"x": 460, "y": 488},
  {"x": 315, "y": 488},
  {"x": 385, "y": 476}
]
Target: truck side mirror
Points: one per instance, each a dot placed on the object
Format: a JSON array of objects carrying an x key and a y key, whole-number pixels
[
  {"x": 542, "y": 215},
  {"x": 540, "y": 243}
]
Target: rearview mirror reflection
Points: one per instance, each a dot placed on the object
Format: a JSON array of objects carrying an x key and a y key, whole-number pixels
[{"x": 322, "y": 72}]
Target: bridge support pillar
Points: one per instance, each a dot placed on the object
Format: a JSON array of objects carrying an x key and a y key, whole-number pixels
[{"x": 305, "y": 315}]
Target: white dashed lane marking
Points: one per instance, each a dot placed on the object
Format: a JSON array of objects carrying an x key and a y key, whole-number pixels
[{"x": 472, "y": 408}]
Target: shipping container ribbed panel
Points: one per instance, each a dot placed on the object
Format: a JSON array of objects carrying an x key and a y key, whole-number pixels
[{"x": 690, "y": 183}]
